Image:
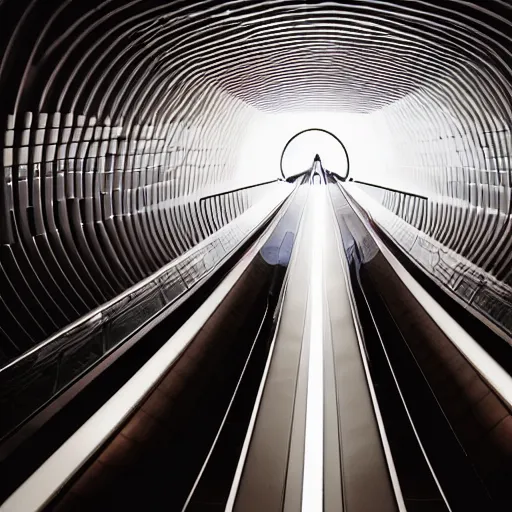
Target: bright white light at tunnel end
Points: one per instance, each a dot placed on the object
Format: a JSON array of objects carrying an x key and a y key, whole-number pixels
[{"x": 260, "y": 151}]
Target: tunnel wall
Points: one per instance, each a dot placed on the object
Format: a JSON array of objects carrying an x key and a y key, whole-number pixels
[
  {"x": 452, "y": 144},
  {"x": 110, "y": 165},
  {"x": 118, "y": 117}
]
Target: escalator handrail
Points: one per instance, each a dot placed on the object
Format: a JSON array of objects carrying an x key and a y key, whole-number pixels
[
  {"x": 46, "y": 356},
  {"x": 486, "y": 366},
  {"x": 42, "y": 486}
]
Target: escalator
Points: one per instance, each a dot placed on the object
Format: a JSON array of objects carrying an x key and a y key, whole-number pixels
[{"x": 316, "y": 374}]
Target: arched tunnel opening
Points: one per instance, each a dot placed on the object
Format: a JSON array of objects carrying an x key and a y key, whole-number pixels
[
  {"x": 143, "y": 204},
  {"x": 301, "y": 147}
]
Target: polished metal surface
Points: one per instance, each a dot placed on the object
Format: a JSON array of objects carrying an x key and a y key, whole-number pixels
[
  {"x": 316, "y": 443},
  {"x": 365, "y": 393}
]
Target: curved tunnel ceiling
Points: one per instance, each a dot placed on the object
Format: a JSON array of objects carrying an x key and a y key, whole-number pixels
[{"x": 114, "y": 111}]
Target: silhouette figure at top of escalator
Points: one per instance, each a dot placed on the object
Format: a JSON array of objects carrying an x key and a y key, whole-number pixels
[{"x": 317, "y": 171}]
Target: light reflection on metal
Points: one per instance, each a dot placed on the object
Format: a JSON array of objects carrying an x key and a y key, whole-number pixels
[{"x": 313, "y": 476}]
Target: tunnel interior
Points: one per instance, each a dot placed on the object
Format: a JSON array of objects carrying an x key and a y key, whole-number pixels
[
  {"x": 120, "y": 117},
  {"x": 143, "y": 165}
]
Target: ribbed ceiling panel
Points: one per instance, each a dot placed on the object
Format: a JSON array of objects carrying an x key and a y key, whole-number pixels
[{"x": 119, "y": 115}]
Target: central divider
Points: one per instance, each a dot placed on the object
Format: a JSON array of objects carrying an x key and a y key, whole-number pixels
[{"x": 313, "y": 485}]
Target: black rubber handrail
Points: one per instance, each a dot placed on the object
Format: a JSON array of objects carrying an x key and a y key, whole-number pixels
[
  {"x": 389, "y": 188},
  {"x": 32, "y": 381},
  {"x": 218, "y": 194}
]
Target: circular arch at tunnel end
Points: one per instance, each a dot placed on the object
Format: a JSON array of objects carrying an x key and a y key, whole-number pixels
[{"x": 321, "y": 130}]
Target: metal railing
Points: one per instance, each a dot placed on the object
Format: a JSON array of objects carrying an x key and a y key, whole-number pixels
[{"x": 41, "y": 374}]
